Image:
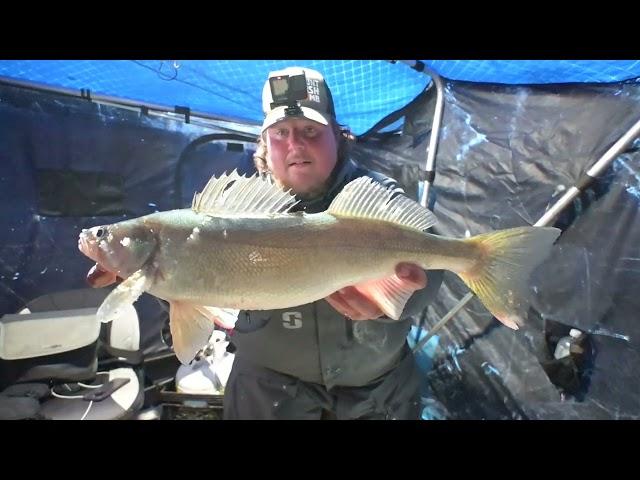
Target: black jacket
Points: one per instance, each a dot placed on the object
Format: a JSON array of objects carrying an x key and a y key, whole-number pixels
[{"x": 314, "y": 342}]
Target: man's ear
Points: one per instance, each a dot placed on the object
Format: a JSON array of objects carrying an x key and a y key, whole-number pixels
[{"x": 346, "y": 133}]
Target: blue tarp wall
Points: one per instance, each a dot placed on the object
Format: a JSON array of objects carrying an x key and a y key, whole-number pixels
[{"x": 364, "y": 91}]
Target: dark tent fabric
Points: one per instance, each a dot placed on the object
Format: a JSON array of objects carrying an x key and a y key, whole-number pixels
[
  {"x": 506, "y": 153},
  {"x": 67, "y": 164}
]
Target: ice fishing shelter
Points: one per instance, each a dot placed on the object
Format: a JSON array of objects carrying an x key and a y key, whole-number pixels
[{"x": 86, "y": 142}]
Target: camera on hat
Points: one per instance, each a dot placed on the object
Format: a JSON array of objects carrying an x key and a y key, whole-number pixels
[{"x": 288, "y": 90}]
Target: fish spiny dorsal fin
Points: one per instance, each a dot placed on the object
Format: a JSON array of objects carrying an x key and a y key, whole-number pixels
[
  {"x": 366, "y": 198},
  {"x": 232, "y": 194}
]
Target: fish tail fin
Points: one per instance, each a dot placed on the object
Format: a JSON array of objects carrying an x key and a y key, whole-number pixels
[{"x": 500, "y": 276}]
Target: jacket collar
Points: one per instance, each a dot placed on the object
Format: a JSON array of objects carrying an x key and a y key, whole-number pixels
[{"x": 341, "y": 176}]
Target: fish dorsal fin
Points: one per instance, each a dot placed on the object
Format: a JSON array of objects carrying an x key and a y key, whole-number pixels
[
  {"x": 366, "y": 198},
  {"x": 232, "y": 194}
]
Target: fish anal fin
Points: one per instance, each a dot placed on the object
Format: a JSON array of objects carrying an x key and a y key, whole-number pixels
[
  {"x": 190, "y": 329},
  {"x": 192, "y": 326},
  {"x": 223, "y": 317}
]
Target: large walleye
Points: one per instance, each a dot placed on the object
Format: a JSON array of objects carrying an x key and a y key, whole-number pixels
[{"x": 239, "y": 247}]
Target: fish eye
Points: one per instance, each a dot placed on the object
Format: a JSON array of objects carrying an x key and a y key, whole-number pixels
[{"x": 100, "y": 232}]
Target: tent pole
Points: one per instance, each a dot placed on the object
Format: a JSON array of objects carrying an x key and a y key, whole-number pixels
[
  {"x": 589, "y": 177},
  {"x": 584, "y": 182},
  {"x": 430, "y": 171}
]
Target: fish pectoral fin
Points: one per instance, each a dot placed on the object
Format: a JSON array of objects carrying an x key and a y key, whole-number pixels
[
  {"x": 191, "y": 327},
  {"x": 124, "y": 294},
  {"x": 223, "y": 317},
  {"x": 390, "y": 294}
]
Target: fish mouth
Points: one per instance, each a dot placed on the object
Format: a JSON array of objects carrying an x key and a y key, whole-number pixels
[
  {"x": 87, "y": 245},
  {"x": 83, "y": 243},
  {"x": 98, "y": 276}
]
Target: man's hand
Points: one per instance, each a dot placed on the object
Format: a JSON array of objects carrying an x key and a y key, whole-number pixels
[{"x": 353, "y": 304}]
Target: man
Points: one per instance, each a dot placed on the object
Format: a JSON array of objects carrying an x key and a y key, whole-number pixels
[{"x": 338, "y": 357}]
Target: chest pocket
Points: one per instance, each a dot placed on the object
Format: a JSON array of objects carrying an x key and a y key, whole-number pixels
[{"x": 251, "y": 321}]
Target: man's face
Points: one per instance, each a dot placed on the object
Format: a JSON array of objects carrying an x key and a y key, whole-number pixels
[{"x": 302, "y": 154}]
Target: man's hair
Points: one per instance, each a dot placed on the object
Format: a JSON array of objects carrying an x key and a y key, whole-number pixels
[{"x": 342, "y": 134}]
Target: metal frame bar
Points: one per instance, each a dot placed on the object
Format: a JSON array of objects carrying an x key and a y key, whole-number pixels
[
  {"x": 432, "y": 149},
  {"x": 120, "y": 102},
  {"x": 587, "y": 179}
]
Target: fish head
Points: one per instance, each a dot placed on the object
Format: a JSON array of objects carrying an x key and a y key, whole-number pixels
[{"x": 120, "y": 248}]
